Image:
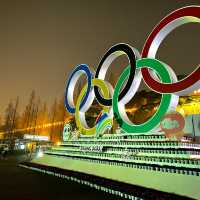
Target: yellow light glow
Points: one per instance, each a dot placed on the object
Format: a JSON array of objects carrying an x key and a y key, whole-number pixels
[{"x": 58, "y": 143}]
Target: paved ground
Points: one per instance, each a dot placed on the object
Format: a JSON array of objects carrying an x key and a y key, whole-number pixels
[{"x": 23, "y": 184}]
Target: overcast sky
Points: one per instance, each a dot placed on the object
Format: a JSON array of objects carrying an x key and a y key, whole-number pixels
[{"x": 41, "y": 41}]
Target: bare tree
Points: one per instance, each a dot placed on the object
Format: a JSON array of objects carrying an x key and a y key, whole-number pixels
[
  {"x": 62, "y": 114},
  {"x": 30, "y": 108},
  {"x": 53, "y": 118},
  {"x": 35, "y": 116},
  {"x": 1, "y": 123},
  {"x": 8, "y": 119}
]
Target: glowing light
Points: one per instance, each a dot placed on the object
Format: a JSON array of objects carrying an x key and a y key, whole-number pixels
[
  {"x": 182, "y": 111},
  {"x": 195, "y": 156},
  {"x": 22, "y": 146},
  {"x": 58, "y": 143},
  {"x": 40, "y": 154},
  {"x": 36, "y": 137}
]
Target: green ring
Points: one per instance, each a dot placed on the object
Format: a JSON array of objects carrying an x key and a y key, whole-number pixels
[
  {"x": 159, "y": 67},
  {"x": 101, "y": 127}
]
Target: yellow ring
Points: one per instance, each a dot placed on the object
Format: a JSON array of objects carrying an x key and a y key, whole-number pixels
[{"x": 105, "y": 93}]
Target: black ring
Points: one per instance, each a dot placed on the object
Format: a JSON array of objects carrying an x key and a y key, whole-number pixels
[{"x": 132, "y": 60}]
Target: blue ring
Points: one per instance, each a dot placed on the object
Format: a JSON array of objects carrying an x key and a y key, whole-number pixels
[{"x": 85, "y": 69}]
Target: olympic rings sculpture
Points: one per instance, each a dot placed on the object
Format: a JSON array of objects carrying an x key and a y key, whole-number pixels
[{"x": 157, "y": 75}]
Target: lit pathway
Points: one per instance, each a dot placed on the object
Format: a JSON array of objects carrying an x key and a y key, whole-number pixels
[{"x": 19, "y": 183}]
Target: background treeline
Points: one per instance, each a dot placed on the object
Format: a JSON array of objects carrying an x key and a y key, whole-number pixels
[{"x": 34, "y": 114}]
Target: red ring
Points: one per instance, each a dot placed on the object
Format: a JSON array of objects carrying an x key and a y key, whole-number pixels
[{"x": 189, "y": 80}]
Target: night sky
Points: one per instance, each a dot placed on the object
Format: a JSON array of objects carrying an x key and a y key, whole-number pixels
[{"x": 41, "y": 41}]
